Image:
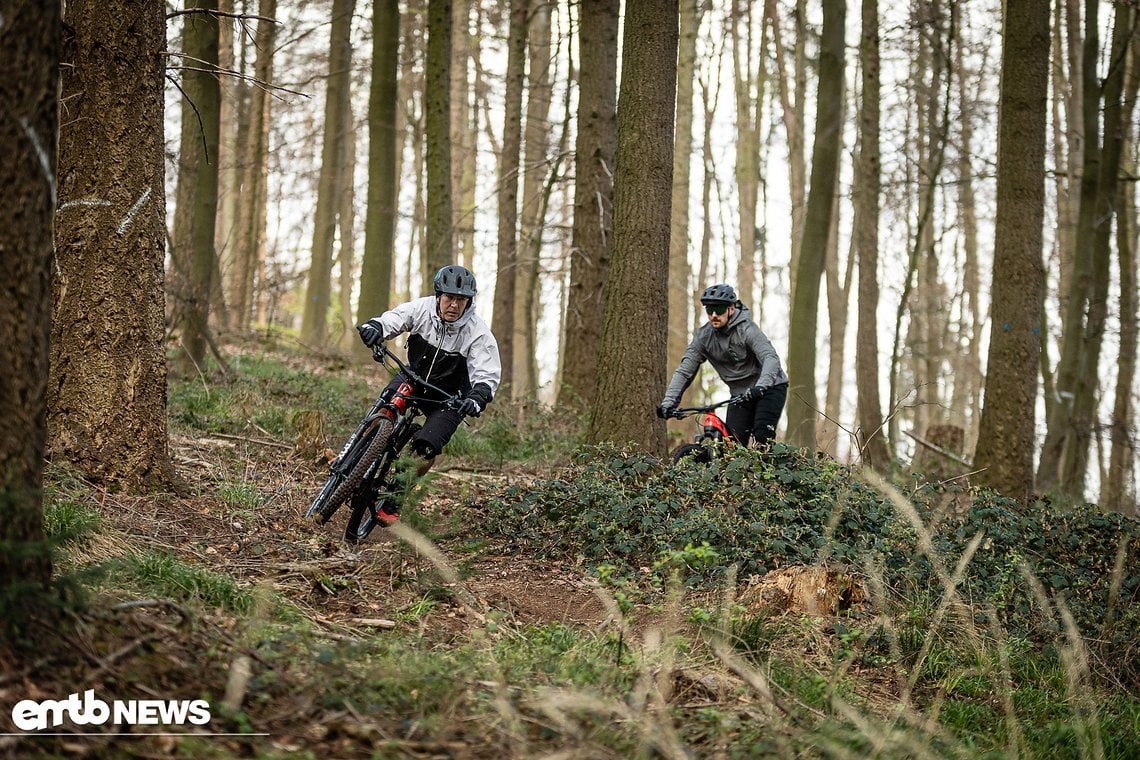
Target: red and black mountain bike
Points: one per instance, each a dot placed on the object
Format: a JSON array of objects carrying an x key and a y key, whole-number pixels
[
  {"x": 713, "y": 430},
  {"x": 362, "y": 473}
]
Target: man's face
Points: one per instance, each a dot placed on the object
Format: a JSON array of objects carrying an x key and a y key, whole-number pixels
[
  {"x": 451, "y": 307},
  {"x": 719, "y": 314}
]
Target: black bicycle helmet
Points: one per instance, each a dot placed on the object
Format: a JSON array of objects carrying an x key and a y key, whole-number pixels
[
  {"x": 715, "y": 294},
  {"x": 456, "y": 280}
]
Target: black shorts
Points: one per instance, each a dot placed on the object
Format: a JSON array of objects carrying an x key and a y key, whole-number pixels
[{"x": 440, "y": 425}]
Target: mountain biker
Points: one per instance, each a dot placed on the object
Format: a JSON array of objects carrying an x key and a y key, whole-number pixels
[
  {"x": 451, "y": 347},
  {"x": 744, "y": 359}
]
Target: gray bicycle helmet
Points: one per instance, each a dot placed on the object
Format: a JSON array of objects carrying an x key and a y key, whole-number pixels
[
  {"x": 719, "y": 294},
  {"x": 456, "y": 280}
]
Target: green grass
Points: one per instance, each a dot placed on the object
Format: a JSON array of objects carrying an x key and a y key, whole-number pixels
[{"x": 162, "y": 575}]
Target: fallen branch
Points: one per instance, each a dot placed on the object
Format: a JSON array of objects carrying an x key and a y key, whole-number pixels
[{"x": 939, "y": 450}]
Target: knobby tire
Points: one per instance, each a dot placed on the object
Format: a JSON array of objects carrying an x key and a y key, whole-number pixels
[{"x": 343, "y": 490}]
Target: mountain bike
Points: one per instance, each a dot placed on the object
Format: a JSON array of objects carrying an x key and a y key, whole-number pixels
[
  {"x": 362, "y": 473},
  {"x": 713, "y": 431}
]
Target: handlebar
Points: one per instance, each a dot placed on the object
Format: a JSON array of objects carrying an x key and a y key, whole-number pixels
[
  {"x": 381, "y": 354},
  {"x": 683, "y": 412}
]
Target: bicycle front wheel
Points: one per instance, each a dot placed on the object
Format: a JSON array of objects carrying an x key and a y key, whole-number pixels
[{"x": 344, "y": 490}]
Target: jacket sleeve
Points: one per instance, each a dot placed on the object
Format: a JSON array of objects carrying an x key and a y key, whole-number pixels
[
  {"x": 398, "y": 320},
  {"x": 686, "y": 371},
  {"x": 484, "y": 367},
  {"x": 771, "y": 373}
]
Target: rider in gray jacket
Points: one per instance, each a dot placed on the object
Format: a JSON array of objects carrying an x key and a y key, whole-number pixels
[{"x": 744, "y": 359}]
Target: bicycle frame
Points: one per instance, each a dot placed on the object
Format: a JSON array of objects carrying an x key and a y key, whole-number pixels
[{"x": 713, "y": 428}]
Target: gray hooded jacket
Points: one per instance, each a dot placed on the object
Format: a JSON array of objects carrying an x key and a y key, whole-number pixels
[{"x": 739, "y": 352}]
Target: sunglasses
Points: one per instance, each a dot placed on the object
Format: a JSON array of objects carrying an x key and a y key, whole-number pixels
[{"x": 717, "y": 309}]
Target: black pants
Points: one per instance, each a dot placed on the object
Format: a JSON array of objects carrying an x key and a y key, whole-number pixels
[
  {"x": 440, "y": 425},
  {"x": 757, "y": 419}
]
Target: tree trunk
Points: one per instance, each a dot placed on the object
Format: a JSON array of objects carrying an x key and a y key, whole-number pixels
[
  {"x": 872, "y": 437},
  {"x": 502, "y": 317},
  {"x": 28, "y": 132},
  {"x": 792, "y": 97},
  {"x": 470, "y": 174},
  {"x": 380, "y": 217},
  {"x": 459, "y": 130},
  {"x": 1074, "y": 462},
  {"x": 1006, "y": 439},
  {"x": 680, "y": 292},
  {"x": 250, "y": 244},
  {"x": 437, "y": 128},
  {"x": 107, "y": 394},
  {"x": 631, "y": 362},
  {"x": 747, "y": 148},
  {"x": 198, "y": 178},
  {"x": 1122, "y": 459},
  {"x": 594, "y": 149},
  {"x": 314, "y": 320},
  {"x": 1060, "y": 407},
  {"x": 524, "y": 373},
  {"x": 233, "y": 123},
  {"x": 346, "y": 226},
  {"x": 966, "y": 402},
  {"x": 801, "y": 405}
]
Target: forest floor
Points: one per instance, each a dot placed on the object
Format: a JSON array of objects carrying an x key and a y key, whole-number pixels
[
  {"x": 234, "y": 526},
  {"x": 437, "y": 640}
]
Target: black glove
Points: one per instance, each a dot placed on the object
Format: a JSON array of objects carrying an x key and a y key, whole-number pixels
[
  {"x": 469, "y": 407},
  {"x": 751, "y": 394},
  {"x": 665, "y": 410},
  {"x": 371, "y": 332}
]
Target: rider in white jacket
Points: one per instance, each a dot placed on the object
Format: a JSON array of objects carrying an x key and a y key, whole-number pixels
[{"x": 451, "y": 347}]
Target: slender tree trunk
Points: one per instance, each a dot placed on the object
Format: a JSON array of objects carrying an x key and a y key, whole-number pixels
[
  {"x": 631, "y": 362},
  {"x": 872, "y": 436},
  {"x": 107, "y": 393},
  {"x": 437, "y": 126},
  {"x": 966, "y": 403},
  {"x": 594, "y": 150},
  {"x": 1074, "y": 462},
  {"x": 792, "y": 100},
  {"x": 380, "y": 217},
  {"x": 680, "y": 297},
  {"x": 747, "y": 147},
  {"x": 1122, "y": 459},
  {"x": 1006, "y": 441},
  {"x": 1060, "y": 407},
  {"x": 233, "y": 124},
  {"x": 29, "y": 133},
  {"x": 470, "y": 173},
  {"x": 536, "y": 142},
  {"x": 346, "y": 224},
  {"x": 502, "y": 317},
  {"x": 199, "y": 159},
  {"x": 314, "y": 321},
  {"x": 801, "y": 405},
  {"x": 250, "y": 243}
]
